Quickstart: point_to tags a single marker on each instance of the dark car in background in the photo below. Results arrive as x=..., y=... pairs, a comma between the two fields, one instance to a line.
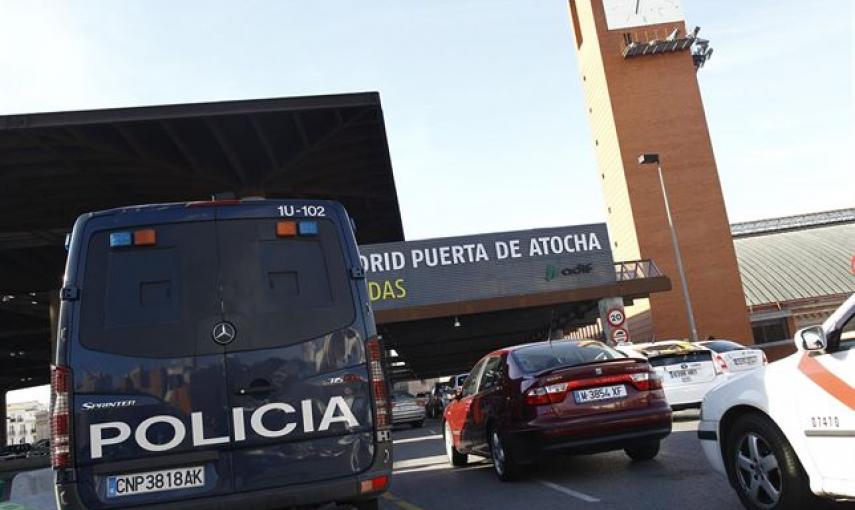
x=561, y=396
x=438, y=398
x=218, y=354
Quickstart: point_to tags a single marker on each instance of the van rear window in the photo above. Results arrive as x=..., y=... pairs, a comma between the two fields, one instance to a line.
x=152, y=301
x=164, y=300
x=279, y=291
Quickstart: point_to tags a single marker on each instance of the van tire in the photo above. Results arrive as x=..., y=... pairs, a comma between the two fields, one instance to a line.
x=371, y=504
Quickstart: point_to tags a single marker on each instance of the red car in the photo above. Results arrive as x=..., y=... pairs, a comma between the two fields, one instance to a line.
x=561, y=396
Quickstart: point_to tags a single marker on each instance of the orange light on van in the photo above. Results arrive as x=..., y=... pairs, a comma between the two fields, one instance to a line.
x=146, y=237
x=286, y=228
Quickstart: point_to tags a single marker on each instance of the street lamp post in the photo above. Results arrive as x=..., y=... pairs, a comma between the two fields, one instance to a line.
x=649, y=159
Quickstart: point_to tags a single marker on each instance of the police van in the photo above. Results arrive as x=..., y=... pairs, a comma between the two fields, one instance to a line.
x=217, y=354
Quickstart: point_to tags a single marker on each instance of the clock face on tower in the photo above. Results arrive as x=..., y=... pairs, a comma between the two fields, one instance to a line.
x=638, y=13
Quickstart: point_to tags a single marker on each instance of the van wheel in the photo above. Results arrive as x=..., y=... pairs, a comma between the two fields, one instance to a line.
x=454, y=457
x=505, y=466
x=371, y=504
x=763, y=468
x=643, y=451
x=418, y=424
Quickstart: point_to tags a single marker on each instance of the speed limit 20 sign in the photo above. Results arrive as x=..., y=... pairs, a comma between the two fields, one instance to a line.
x=615, y=317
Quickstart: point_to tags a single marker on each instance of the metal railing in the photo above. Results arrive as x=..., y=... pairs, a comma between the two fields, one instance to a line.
x=636, y=269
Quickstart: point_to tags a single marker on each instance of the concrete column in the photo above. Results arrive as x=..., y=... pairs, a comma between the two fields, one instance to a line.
x=613, y=318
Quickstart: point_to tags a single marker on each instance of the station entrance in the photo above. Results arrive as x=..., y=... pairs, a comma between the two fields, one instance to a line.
x=440, y=304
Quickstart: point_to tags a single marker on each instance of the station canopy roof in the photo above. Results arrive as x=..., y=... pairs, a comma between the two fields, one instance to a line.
x=55, y=166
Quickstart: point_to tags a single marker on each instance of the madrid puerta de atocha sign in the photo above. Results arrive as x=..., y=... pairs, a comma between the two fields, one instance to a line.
x=454, y=269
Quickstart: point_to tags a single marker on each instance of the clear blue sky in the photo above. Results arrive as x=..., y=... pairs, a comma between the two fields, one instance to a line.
x=482, y=98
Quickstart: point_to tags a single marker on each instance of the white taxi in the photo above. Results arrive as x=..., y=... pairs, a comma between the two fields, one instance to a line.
x=687, y=370
x=785, y=434
x=732, y=357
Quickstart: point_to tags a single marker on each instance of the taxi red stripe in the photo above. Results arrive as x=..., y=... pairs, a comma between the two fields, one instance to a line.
x=825, y=379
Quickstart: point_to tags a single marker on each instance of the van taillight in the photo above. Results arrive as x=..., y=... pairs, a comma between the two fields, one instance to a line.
x=378, y=385
x=60, y=417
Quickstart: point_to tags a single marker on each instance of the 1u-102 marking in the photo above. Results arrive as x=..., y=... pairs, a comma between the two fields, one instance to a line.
x=303, y=210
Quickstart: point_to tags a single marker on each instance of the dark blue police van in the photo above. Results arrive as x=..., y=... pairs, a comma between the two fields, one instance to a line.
x=218, y=354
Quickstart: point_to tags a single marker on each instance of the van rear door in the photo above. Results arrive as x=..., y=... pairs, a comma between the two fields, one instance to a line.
x=149, y=405
x=296, y=369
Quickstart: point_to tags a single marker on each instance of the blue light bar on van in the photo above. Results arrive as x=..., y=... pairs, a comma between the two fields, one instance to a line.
x=308, y=228
x=118, y=239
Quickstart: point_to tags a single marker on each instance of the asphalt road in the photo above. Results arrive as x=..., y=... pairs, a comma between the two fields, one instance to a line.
x=678, y=478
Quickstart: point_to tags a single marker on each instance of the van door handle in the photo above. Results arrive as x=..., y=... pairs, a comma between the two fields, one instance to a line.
x=257, y=387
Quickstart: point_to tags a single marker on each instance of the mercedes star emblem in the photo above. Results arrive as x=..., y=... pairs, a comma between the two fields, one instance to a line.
x=224, y=333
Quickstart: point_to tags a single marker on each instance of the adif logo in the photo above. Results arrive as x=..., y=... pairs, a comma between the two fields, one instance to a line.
x=337, y=411
x=552, y=272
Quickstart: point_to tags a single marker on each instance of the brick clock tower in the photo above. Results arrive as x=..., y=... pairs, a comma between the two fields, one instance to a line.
x=638, y=67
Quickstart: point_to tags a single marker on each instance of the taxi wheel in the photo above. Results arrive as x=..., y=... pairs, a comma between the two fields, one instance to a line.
x=643, y=451
x=763, y=467
x=454, y=457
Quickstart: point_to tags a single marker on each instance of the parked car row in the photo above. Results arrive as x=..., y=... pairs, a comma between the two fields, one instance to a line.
x=39, y=448
x=783, y=434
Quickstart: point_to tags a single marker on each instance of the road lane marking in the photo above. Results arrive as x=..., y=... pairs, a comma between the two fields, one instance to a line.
x=684, y=426
x=440, y=467
x=569, y=492
x=400, y=503
x=420, y=461
x=416, y=439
